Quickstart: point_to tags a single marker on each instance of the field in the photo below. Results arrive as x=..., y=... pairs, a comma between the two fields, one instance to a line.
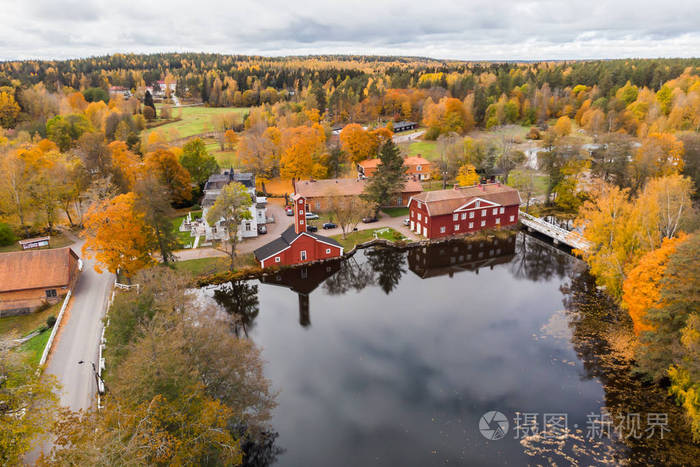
x=194, y=120
x=226, y=158
x=25, y=324
x=57, y=241
x=34, y=347
x=426, y=149
x=396, y=212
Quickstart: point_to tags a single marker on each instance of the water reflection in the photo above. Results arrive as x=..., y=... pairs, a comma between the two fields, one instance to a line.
x=398, y=368
x=240, y=300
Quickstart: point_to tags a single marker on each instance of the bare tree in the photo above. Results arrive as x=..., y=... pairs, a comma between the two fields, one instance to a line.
x=347, y=211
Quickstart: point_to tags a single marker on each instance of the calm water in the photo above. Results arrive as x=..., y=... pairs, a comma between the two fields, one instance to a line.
x=391, y=358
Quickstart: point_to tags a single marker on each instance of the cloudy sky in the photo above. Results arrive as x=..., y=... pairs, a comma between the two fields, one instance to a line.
x=467, y=29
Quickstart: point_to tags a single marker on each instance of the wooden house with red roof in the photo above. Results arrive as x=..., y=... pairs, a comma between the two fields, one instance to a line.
x=296, y=245
x=462, y=210
x=29, y=279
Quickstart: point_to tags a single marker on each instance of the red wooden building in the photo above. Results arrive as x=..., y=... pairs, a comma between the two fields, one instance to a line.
x=459, y=211
x=296, y=245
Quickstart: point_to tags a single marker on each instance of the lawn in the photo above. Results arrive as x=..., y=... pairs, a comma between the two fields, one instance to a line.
x=226, y=158
x=396, y=212
x=24, y=324
x=426, y=149
x=203, y=266
x=34, y=347
x=194, y=120
x=183, y=238
x=362, y=236
x=57, y=241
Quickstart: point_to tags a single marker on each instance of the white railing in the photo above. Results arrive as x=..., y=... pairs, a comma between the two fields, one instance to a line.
x=56, y=325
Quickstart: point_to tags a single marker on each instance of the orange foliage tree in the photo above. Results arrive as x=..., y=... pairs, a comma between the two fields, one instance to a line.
x=359, y=143
x=116, y=236
x=303, y=150
x=171, y=173
x=642, y=287
x=126, y=165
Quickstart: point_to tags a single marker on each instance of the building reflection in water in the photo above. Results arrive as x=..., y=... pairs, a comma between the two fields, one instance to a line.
x=460, y=255
x=303, y=281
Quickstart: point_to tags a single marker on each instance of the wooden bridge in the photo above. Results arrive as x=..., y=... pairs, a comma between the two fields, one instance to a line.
x=559, y=235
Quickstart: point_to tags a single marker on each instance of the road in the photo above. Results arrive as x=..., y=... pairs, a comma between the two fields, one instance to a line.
x=408, y=137
x=78, y=339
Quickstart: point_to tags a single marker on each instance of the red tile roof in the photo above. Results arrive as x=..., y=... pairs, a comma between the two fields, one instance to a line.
x=24, y=270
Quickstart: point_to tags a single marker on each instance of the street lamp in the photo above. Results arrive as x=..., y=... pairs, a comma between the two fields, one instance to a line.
x=98, y=378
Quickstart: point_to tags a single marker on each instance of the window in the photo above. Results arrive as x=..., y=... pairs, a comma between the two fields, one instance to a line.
x=247, y=226
x=456, y=227
x=328, y=251
x=495, y=211
x=318, y=205
x=277, y=259
x=512, y=218
x=442, y=229
x=483, y=212
x=502, y=210
x=498, y=220
x=455, y=217
x=471, y=225
x=303, y=255
x=464, y=215
x=476, y=204
x=301, y=221
x=471, y=215
x=483, y=223
x=412, y=214
x=301, y=212
x=51, y=293
x=419, y=216
x=419, y=168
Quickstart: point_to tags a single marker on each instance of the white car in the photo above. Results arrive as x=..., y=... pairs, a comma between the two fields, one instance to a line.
x=406, y=221
x=311, y=215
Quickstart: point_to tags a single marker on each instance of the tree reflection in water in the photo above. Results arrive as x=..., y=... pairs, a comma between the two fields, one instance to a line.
x=388, y=265
x=240, y=300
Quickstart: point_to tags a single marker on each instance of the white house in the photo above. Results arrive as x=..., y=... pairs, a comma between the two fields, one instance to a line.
x=258, y=208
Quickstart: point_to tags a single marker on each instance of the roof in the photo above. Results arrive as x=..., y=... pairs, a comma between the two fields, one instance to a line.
x=447, y=201
x=416, y=160
x=220, y=180
x=36, y=269
x=343, y=187
x=370, y=163
x=284, y=240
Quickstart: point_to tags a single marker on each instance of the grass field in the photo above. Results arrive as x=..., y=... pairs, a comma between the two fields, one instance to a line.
x=426, y=149
x=194, y=120
x=34, y=347
x=396, y=212
x=25, y=324
x=362, y=236
x=226, y=158
x=203, y=266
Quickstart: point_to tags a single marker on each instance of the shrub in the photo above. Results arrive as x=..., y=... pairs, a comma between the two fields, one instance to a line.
x=7, y=235
x=51, y=321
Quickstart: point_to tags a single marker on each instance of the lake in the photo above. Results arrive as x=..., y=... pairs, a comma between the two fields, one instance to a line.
x=479, y=352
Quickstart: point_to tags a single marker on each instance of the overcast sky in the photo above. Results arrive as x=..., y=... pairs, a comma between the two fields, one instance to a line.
x=468, y=29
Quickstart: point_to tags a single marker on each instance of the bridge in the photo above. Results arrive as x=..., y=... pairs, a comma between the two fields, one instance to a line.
x=559, y=235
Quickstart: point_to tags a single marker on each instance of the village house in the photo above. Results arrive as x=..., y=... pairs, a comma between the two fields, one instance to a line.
x=258, y=209
x=296, y=245
x=462, y=210
x=319, y=192
x=28, y=279
x=404, y=125
x=417, y=167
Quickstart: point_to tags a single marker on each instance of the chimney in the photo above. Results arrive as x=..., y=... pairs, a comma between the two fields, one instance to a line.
x=299, y=214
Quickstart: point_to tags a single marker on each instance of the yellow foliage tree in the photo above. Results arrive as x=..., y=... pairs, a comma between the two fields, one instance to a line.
x=9, y=110
x=358, y=143
x=116, y=236
x=467, y=175
x=126, y=165
x=171, y=173
x=563, y=126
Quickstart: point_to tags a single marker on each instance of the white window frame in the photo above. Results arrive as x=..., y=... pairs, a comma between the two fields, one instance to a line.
x=455, y=217
x=498, y=220
x=442, y=229
x=277, y=259
x=483, y=212
x=464, y=215
x=483, y=223
x=302, y=255
x=456, y=227
x=471, y=215
x=419, y=168
x=495, y=211
x=301, y=221
x=420, y=217
x=471, y=225
x=328, y=251
x=512, y=218
x=502, y=210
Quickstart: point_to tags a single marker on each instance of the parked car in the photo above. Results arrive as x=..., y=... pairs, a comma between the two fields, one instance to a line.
x=289, y=211
x=406, y=221
x=369, y=220
x=329, y=225
x=311, y=228
x=311, y=215
x=262, y=229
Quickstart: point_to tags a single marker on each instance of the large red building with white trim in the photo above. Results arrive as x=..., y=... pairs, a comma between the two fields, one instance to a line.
x=296, y=245
x=462, y=210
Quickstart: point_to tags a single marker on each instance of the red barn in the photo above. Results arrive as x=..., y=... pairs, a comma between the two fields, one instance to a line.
x=296, y=245
x=442, y=213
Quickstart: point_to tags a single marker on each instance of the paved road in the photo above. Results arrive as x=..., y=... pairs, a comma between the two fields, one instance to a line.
x=407, y=137
x=78, y=339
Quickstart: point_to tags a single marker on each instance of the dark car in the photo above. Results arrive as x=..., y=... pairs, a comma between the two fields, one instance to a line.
x=262, y=229
x=369, y=220
x=329, y=225
x=311, y=228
